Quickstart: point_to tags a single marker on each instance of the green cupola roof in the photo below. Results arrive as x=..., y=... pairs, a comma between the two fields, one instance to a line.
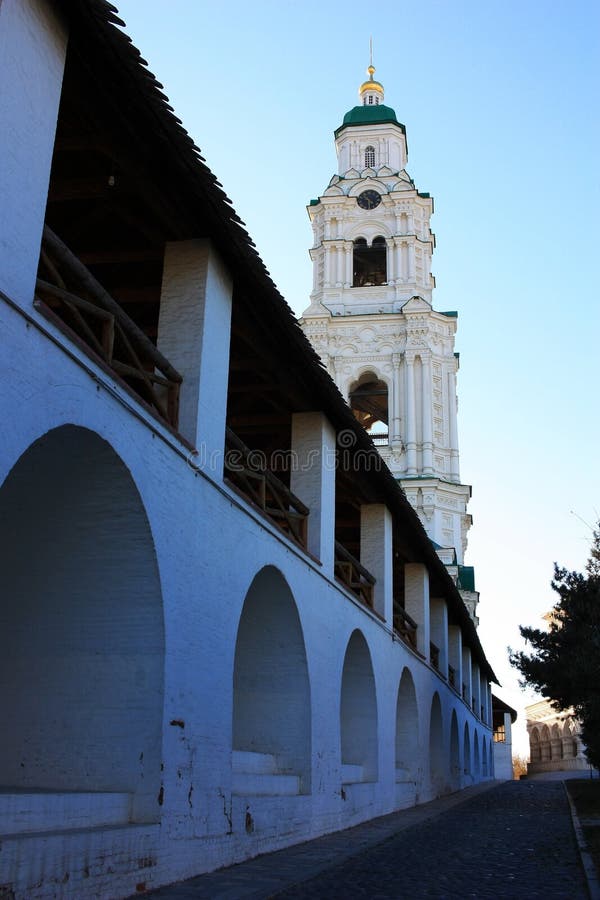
x=370, y=115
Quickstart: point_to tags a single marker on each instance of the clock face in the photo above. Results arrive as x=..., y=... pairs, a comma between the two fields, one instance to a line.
x=368, y=199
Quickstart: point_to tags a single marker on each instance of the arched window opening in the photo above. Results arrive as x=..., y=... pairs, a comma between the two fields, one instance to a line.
x=370, y=263
x=369, y=157
x=271, y=693
x=369, y=403
x=370, y=99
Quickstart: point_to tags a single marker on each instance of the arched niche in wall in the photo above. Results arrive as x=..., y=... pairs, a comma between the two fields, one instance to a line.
x=484, y=757
x=271, y=691
x=438, y=764
x=454, y=753
x=407, y=730
x=82, y=656
x=545, y=746
x=556, y=744
x=476, y=755
x=358, y=713
x=467, y=752
x=535, y=751
x=569, y=742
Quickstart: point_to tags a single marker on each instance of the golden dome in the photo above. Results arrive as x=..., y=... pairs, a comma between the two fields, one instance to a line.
x=371, y=84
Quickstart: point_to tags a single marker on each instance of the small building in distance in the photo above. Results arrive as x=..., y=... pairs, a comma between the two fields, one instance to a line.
x=555, y=743
x=503, y=717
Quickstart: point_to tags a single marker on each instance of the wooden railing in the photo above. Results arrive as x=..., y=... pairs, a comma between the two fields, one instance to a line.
x=264, y=489
x=405, y=626
x=354, y=576
x=70, y=290
x=434, y=655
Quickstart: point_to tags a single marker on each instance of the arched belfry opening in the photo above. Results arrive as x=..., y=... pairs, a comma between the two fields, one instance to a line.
x=82, y=637
x=271, y=693
x=368, y=400
x=369, y=262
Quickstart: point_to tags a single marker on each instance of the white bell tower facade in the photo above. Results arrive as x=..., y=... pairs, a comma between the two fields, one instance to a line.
x=372, y=321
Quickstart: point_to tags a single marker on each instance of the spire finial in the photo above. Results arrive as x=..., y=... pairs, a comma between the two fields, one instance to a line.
x=371, y=68
x=371, y=91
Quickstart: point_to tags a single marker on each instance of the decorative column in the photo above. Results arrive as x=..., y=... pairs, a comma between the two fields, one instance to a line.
x=395, y=436
x=376, y=555
x=348, y=260
x=312, y=479
x=453, y=428
x=411, y=441
x=416, y=603
x=404, y=263
x=193, y=333
x=427, y=415
x=327, y=265
x=398, y=261
x=314, y=255
x=391, y=272
x=337, y=258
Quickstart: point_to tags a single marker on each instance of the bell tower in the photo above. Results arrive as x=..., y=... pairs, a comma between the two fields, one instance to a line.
x=371, y=318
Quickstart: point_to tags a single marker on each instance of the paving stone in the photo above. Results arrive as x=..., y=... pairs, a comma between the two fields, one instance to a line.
x=513, y=841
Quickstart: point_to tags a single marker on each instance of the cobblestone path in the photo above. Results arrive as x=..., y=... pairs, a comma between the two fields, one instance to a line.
x=515, y=841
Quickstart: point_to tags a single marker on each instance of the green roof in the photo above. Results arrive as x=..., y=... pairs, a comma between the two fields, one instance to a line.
x=466, y=578
x=314, y=202
x=452, y=313
x=369, y=115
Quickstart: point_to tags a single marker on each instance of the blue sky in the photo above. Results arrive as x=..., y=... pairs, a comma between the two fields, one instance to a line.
x=500, y=102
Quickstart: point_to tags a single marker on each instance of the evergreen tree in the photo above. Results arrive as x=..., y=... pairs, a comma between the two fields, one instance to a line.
x=565, y=663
